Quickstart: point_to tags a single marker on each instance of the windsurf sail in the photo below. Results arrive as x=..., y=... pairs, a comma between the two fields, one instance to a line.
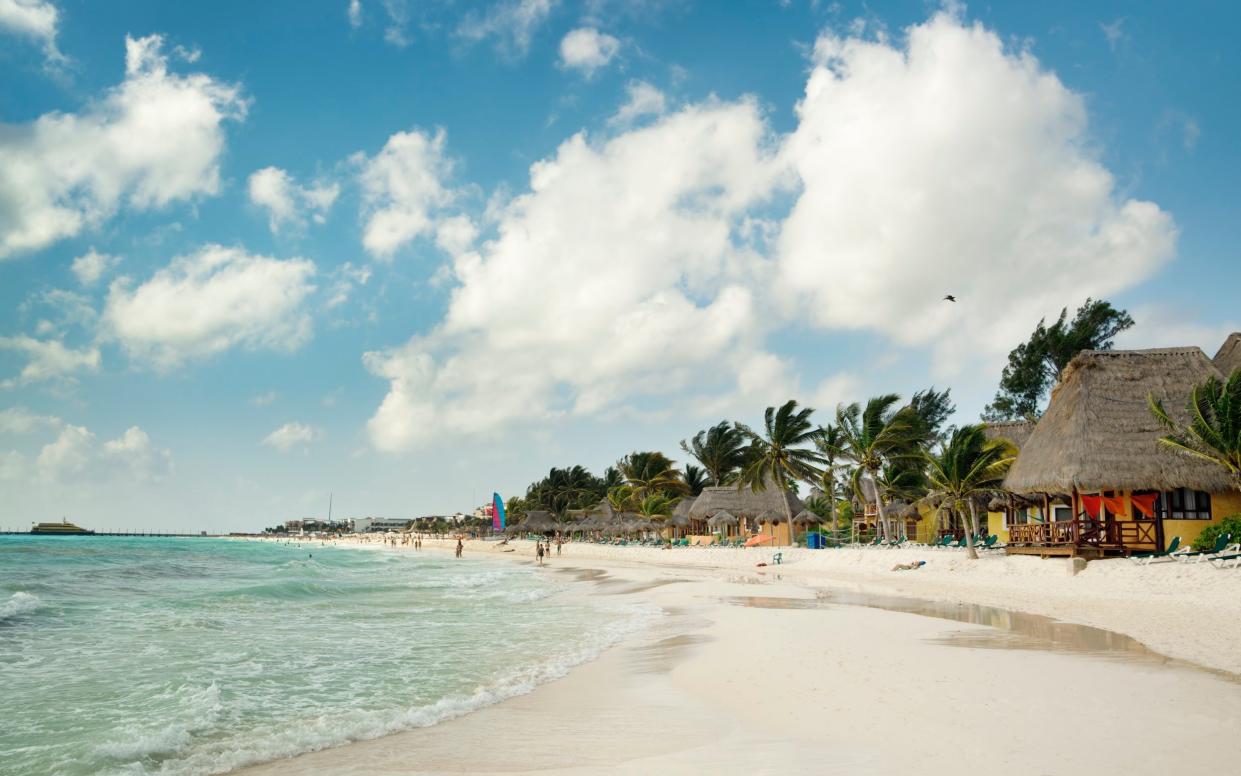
x=497, y=512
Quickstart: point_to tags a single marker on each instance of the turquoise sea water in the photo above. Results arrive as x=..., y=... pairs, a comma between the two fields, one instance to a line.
x=199, y=656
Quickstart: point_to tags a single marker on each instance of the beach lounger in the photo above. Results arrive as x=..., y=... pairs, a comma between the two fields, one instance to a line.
x=1232, y=557
x=1221, y=544
x=1145, y=558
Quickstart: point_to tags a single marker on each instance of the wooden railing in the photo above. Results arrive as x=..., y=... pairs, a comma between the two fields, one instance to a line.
x=1122, y=534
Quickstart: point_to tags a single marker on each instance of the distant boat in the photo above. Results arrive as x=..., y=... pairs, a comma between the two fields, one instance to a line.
x=63, y=528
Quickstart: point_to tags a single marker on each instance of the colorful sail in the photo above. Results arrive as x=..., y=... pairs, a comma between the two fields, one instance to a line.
x=497, y=512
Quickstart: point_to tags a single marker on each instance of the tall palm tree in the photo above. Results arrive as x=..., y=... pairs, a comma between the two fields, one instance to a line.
x=1214, y=430
x=695, y=479
x=966, y=469
x=720, y=449
x=782, y=453
x=828, y=440
x=650, y=473
x=873, y=438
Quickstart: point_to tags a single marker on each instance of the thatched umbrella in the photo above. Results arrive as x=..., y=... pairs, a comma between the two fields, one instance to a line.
x=721, y=520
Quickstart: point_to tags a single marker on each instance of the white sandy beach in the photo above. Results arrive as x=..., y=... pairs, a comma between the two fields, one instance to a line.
x=765, y=671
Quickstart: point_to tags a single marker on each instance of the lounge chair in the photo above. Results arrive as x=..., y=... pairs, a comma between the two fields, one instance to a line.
x=1232, y=555
x=1145, y=558
x=1221, y=544
x=989, y=542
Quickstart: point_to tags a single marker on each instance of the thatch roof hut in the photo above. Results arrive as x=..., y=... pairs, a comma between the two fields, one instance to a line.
x=1098, y=432
x=806, y=517
x=537, y=521
x=1015, y=432
x=1229, y=356
x=720, y=519
x=744, y=502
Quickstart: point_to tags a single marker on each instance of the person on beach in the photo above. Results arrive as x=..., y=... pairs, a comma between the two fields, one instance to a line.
x=460, y=548
x=909, y=566
x=538, y=551
x=559, y=542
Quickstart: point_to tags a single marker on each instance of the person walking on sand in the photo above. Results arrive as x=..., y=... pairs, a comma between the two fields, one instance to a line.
x=538, y=550
x=559, y=542
x=460, y=547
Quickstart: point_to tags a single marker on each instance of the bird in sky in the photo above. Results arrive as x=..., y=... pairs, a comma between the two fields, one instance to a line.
x=950, y=298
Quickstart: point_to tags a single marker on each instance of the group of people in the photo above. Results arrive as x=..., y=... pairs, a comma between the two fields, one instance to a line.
x=541, y=549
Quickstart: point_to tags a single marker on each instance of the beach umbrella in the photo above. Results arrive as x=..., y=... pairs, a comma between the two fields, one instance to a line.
x=756, y=540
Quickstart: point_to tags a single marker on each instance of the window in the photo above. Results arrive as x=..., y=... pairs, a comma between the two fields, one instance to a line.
x=1061, y=513
x=1184, y=504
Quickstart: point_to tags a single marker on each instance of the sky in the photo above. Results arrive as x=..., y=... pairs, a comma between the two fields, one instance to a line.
x=408, y=253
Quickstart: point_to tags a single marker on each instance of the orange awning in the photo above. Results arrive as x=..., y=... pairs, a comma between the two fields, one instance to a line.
x=753, y=540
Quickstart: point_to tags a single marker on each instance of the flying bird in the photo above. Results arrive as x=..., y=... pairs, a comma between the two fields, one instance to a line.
x=950, y=298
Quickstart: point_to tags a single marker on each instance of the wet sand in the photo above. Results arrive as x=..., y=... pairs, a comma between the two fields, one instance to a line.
x=756, y=673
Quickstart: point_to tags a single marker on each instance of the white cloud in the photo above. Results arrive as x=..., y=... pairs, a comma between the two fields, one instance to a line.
x=511, y=22
x=455, y=235
x=286, y=203
x=154, y=139
x=19, y=420
x=210, y=301
x=915, y=185
x=48, y=360
x=619, y=274
x=36, y=19
x=344, y=279
x=1115, y=32
x=290, y=435
x=403, y=188
x=642, y=99
x=354, y=13
x=68, y=454
x=92, y=265
x=263, y=399
x=134, y=451
x=586, y=50
x=1161, y=325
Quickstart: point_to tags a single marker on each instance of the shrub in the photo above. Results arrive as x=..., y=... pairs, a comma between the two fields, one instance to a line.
x=1229, y=525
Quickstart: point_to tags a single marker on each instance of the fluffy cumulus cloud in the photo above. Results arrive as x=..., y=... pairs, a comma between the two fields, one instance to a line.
x=209, y=301
x=154, y=139
x=290, y=436
x=354, y=13
x=512, y=23
x=586, y=50
x=403, y=190
x=641, y=99
x=48, y=360
x=36, y=19
x=658, y=261
x=286, y=202
x=621, y=272
x=948, y=164
x=74, y=452
x=93, y=265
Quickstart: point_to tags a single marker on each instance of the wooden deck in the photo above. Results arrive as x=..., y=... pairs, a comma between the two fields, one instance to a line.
x=1085, y=538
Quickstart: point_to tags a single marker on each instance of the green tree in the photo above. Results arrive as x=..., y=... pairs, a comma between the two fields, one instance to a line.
x=1034, y=365
x=1214, y=430
x=966, y=469
x=650, y=473
x=874, y=437
x=695, y=479
x=783, y=453
x=828, y=440
x=720, y=449
x=933, y=409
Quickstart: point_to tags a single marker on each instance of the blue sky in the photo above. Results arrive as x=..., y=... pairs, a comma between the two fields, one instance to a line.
x=408, y=253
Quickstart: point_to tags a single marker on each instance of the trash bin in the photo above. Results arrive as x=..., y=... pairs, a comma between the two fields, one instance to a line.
x=815, y=541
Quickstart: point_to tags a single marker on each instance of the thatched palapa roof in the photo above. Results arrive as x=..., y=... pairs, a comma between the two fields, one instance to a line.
x=1229, y=356
x=1099, y=434
x=1014, y=431
x=721, y=518
x=743, y=502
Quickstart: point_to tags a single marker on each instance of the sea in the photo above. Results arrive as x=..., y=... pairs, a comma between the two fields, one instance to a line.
x=200, y=656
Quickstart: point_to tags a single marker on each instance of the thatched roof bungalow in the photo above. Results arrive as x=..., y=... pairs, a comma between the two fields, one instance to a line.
x=1099, y=443
x=749, y=506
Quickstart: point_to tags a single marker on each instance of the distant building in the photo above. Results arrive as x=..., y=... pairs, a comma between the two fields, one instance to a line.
x=388, y=524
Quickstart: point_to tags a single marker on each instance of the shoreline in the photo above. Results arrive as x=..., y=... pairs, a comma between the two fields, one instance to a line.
x=747, y=672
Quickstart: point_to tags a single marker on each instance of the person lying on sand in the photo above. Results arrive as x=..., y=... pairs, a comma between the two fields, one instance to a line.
x=917, y=564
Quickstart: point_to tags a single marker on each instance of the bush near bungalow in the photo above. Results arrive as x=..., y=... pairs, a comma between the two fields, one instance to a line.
x=1230, y=525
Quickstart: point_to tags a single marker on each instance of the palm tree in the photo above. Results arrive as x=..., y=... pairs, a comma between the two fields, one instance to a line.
x=1214, y=430
x=828, y=441
x=874, y=437
x=781, y=453
x=650, y=473
x=967, y=468
x=720, y=450
x=695, y=479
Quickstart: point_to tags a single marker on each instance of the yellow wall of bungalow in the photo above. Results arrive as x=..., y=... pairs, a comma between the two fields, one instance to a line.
x=1222, y=505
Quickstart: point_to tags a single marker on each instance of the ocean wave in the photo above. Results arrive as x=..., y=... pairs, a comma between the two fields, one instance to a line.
x=18, y=604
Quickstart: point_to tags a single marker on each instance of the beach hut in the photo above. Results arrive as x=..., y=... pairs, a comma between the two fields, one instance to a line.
x=722, y=521
x=1096, y=450
x=1228, y=357
x=748, y=505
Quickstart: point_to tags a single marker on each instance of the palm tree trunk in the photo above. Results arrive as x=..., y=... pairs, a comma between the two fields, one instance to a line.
x=788, y=511
x=970, y=552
